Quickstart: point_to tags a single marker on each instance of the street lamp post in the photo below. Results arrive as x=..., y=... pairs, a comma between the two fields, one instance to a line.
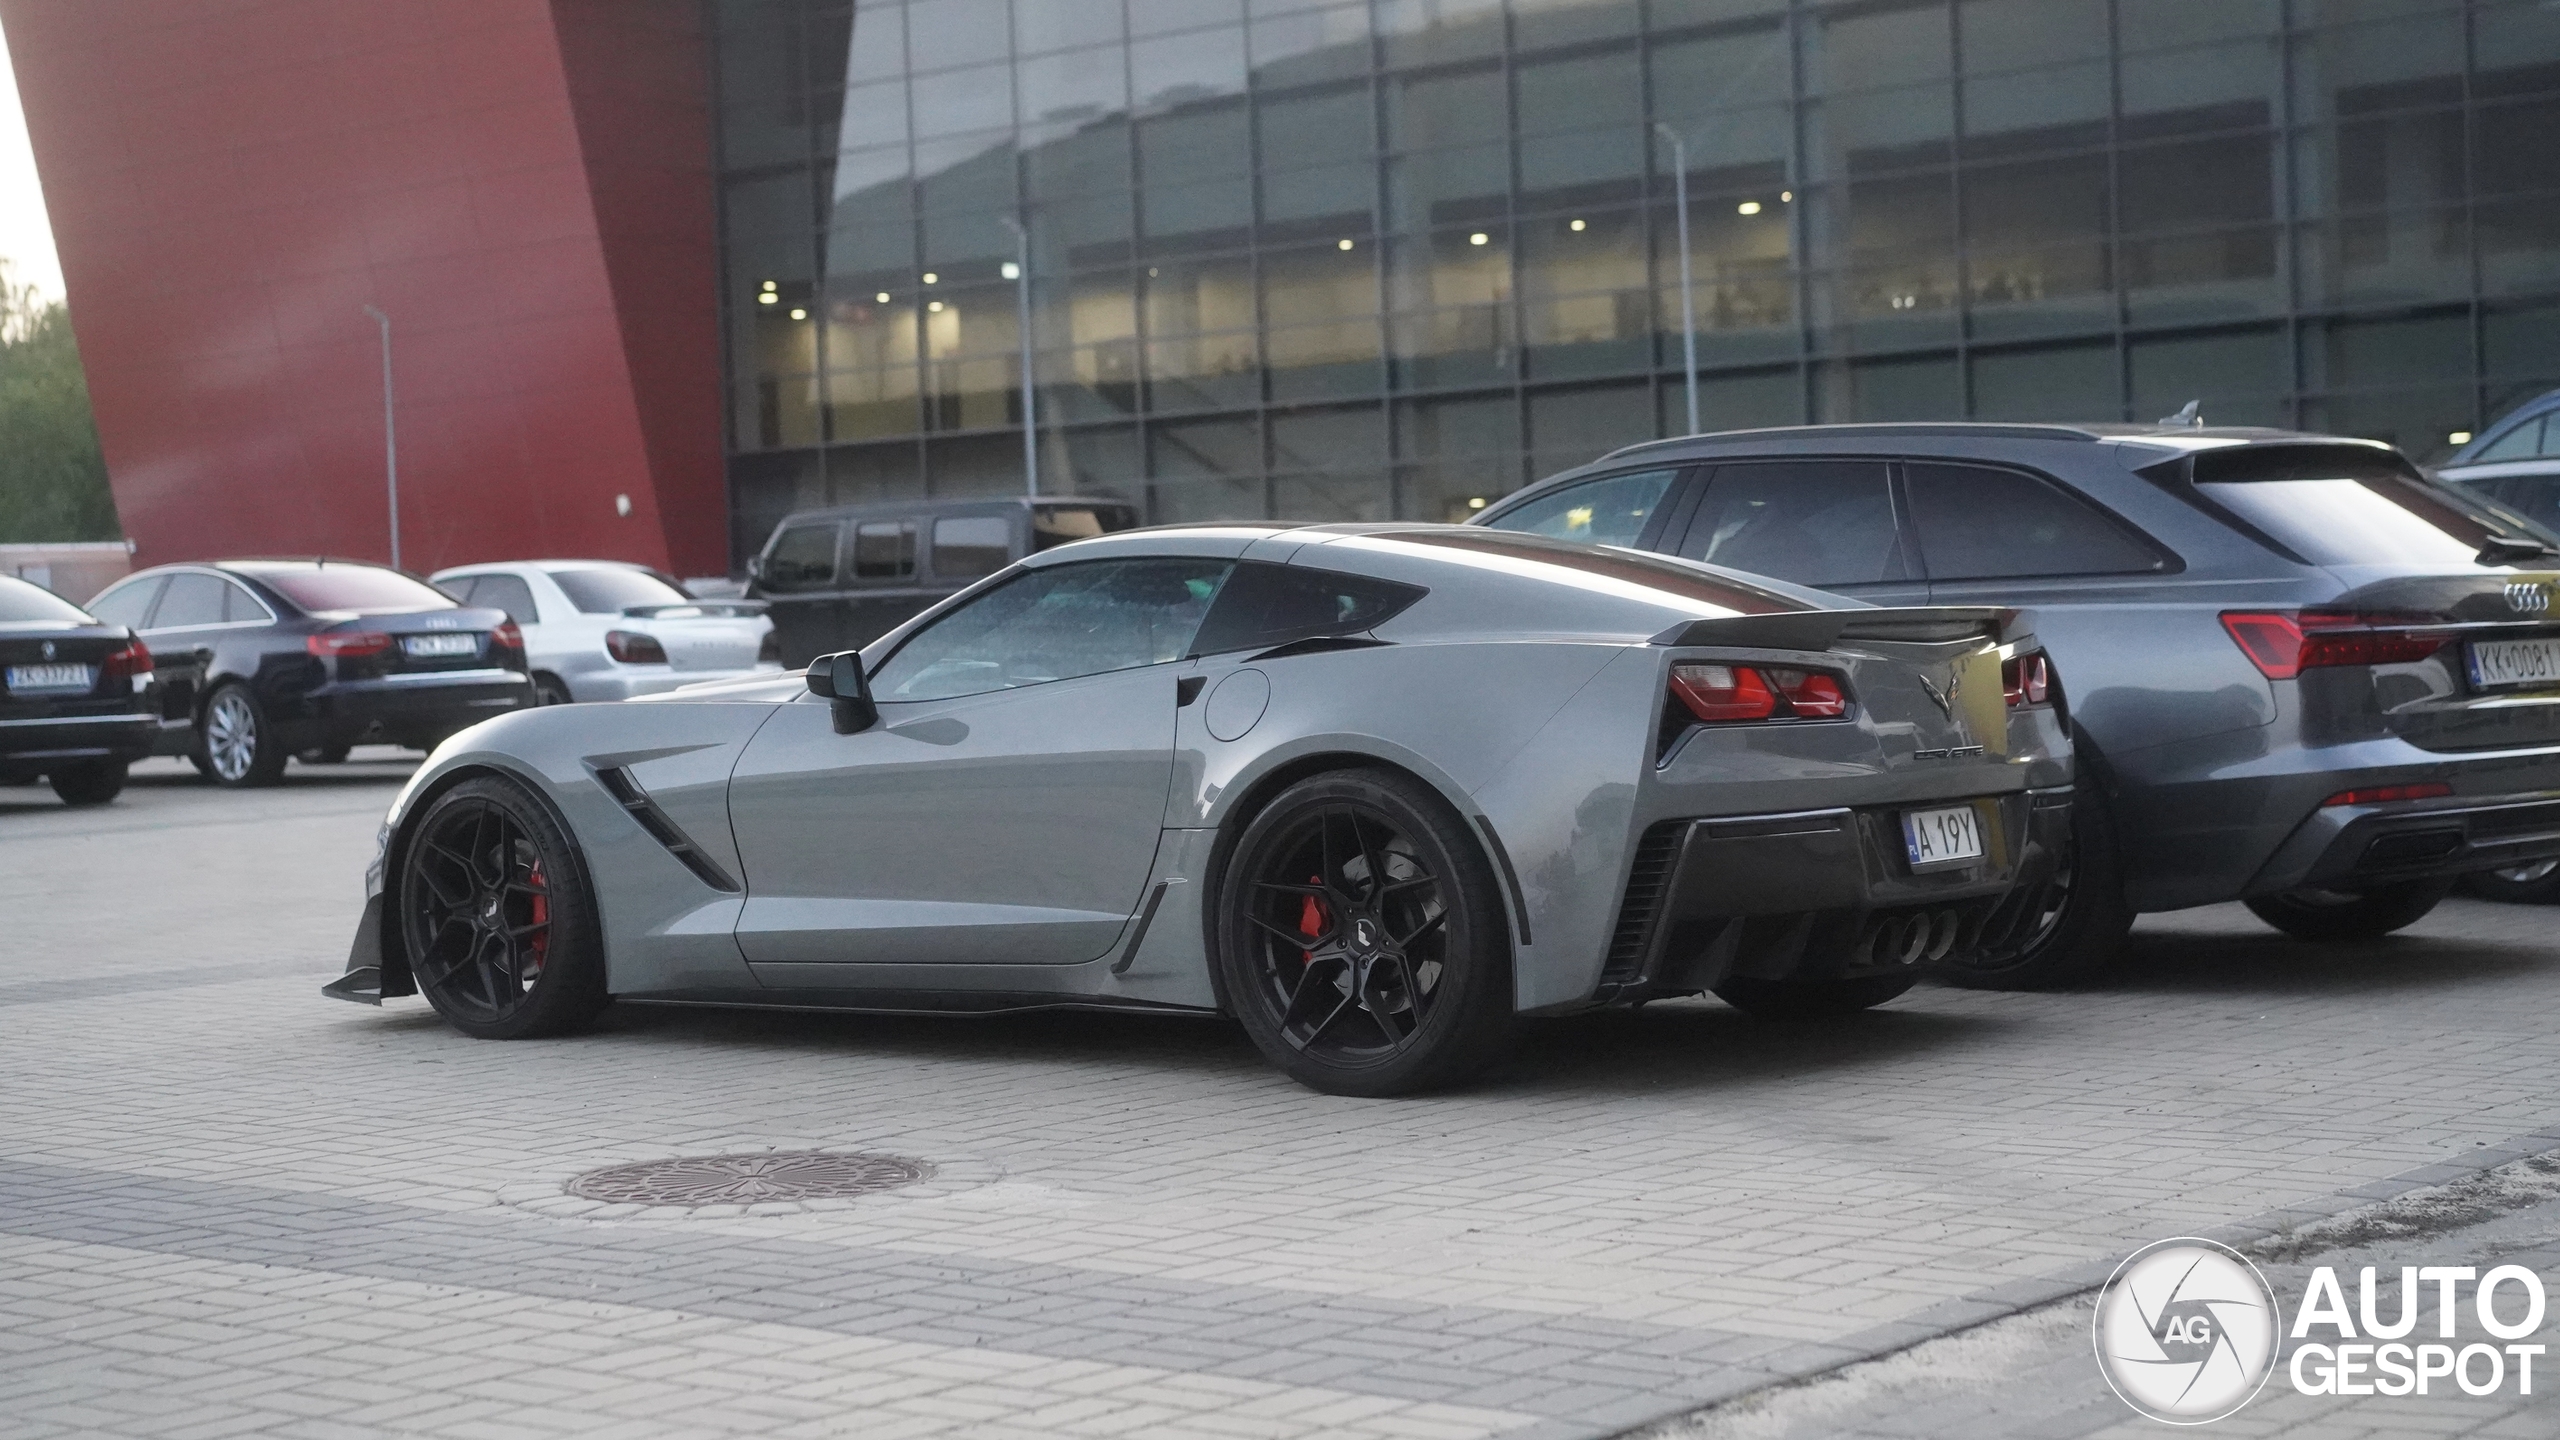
x=1688, y=306
x=1022, y=307
x=390, y=438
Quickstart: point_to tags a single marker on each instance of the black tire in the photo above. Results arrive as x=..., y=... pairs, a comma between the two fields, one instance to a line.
x=2343, y=915
x=551, y=690
x=2535, y=884
x=91, y=782
x=325, y=755
x=1404, y=983
x=236, y=740
x=2066, y=929
x=497, y=917
x=1810, y=999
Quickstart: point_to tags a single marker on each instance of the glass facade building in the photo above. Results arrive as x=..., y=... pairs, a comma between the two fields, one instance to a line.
x=1392, y=257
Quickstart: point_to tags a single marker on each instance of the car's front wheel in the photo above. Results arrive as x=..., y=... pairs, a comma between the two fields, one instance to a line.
x=91, y=782
x=2534, y=884
x=2350, y=914
x=237, y=743
x=1810, y=999
x=1361, y=938
x=550, y=690
x=496, y=915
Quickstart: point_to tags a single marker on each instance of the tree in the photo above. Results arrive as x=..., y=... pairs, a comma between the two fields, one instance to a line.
x=53, y=479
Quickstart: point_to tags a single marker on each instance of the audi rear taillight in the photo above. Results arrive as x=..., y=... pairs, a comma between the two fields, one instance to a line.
x=134, y=659
x=346, y=644
x=633, y=648
x=2027, y=679
x=2284, y=643
x=1722, y=694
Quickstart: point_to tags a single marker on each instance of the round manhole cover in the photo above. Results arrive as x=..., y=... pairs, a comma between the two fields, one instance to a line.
x=767, y=1178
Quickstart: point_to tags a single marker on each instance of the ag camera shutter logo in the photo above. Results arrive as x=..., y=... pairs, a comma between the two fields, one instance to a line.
x=2186, y=1331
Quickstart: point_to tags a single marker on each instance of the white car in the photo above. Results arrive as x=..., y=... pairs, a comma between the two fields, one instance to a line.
x=608, y=630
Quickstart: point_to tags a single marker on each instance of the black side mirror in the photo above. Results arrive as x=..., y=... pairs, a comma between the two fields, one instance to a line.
x=840, y=678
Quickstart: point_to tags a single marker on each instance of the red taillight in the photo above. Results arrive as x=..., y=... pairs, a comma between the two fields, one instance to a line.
x=507, y=636
x=134, y=659
x=346, y=644
x=2027, y=679
x=2378, y=794
x=1723, y=693
x=2283, y=644
x=632, y=648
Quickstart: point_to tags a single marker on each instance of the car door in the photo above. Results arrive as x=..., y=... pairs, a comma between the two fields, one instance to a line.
x=1006, y=807
x=182, y=633
x=1831, y=524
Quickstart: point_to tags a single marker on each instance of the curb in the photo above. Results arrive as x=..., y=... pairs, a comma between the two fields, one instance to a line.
x=2014, y=1297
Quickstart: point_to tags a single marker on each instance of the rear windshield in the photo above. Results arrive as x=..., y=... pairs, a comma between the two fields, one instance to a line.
x=22, y=603
x=604, y=591
x=362, y=588
x=2336, y=505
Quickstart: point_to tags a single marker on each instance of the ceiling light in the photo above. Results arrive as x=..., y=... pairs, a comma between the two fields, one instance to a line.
x=1786, y=197
x=770, y=285
x=882, y=297
x=768, y=298
x=1479, y=238
x=1151, y=272
x=1577, y=224
x=1341, y=244
x=932, y=279
x=935, y=307
x=1011, y=271
x=1747, y=207
x=799, y=314
x=1477, y=502
x=2458, y=437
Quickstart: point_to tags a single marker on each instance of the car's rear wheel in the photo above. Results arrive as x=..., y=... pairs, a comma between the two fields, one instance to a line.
x=2535, y=884
x=550, y=690
x=91, y=782
x=497, y=917
x=1810, y=999
x=1361, y=938
x=238, y=745
x=2350, y=915
x=2066, y=928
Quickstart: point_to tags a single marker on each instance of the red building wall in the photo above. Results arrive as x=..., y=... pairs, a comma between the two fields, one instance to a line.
x=524, y=186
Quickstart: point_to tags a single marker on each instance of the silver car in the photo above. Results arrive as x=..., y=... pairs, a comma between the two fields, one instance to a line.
x=610, y=630
x=1374, y=790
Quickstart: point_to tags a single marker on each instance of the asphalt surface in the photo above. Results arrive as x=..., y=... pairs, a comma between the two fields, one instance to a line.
x=230, y=1206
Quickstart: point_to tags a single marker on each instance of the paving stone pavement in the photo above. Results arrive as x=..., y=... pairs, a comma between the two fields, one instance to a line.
x=229, y=1206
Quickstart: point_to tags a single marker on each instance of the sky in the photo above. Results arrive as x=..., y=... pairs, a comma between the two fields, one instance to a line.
x=26, y=237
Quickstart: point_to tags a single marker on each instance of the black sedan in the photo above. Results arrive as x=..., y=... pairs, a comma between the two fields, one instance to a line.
x=262, y=660
x=76, y=699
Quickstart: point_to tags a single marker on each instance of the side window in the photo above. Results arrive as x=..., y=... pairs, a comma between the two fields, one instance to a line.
x=2535, y=497
x=1815, y=522
x=1981, y=524
x=1056, y=624
x=192, y=599
x=2522, y=443
x=509, y=593
x=884, y=550
x=967, y=547
x=462, y=588
x=1612, y=510
x=802, y=558
x=239, y=606
x=128, y=605
x=1265, y=605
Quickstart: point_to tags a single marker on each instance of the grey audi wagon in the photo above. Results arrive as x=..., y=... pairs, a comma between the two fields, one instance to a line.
x=2298, y=675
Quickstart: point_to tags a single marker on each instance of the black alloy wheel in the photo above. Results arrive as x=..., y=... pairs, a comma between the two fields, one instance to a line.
x=1362, y=939
x=496, y=916
x=91, y=782
x=2534, y=884
x=2350, y=914
x=2064, y=929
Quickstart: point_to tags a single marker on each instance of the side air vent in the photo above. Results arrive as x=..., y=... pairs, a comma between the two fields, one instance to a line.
x=1650, y=875
x=626, y=792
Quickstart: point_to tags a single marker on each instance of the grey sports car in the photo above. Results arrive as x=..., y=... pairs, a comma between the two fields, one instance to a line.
x=1374, y=790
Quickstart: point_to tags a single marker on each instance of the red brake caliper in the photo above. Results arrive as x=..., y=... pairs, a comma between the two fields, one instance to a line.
x=1311, y=919
x=540, y=943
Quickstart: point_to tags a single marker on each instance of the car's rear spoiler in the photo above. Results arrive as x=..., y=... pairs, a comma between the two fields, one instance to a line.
x=1822, y=629
x=687, y=609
